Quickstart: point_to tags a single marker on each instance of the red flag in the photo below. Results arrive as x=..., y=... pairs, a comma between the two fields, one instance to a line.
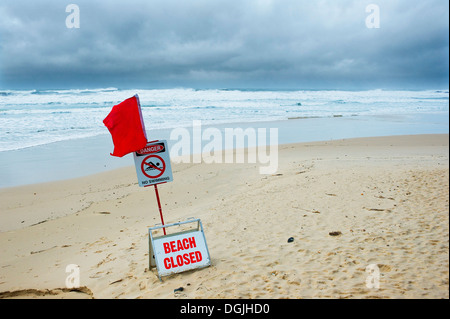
x=126, y=126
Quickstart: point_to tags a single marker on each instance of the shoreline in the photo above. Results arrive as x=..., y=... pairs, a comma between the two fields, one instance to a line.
x=116, y=175
x=385, y=197
x=127, y=162
x=86, y=156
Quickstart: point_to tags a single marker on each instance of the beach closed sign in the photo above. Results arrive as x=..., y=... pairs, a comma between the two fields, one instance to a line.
x=153, y=164
x=180, y=252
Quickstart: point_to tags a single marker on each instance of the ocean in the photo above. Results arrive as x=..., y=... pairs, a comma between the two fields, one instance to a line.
x=48, y=135
x=39, y=117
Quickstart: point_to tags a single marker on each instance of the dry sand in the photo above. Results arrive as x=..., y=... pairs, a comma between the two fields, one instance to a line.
x=386, y=198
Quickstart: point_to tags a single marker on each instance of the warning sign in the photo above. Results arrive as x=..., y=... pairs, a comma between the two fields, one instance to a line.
x=179, y=252
x=153, y=164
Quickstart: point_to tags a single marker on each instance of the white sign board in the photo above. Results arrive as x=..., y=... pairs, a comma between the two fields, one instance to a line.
x=181, y=251
x=153, y=164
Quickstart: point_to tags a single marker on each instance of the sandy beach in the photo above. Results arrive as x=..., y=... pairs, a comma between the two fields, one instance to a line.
x=347, y=204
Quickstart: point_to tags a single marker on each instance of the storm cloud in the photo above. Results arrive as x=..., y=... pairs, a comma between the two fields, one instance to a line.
x=234, y=44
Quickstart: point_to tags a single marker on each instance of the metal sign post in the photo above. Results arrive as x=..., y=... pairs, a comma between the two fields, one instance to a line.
x=159, y=206
x=177, y=252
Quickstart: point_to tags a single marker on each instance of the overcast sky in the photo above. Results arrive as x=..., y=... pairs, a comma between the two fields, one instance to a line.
x=291, y=44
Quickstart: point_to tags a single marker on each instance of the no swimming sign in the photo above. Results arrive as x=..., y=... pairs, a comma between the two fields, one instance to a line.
x=153, y=164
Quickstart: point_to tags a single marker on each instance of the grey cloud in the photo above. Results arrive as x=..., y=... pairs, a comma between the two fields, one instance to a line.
x=306, y=44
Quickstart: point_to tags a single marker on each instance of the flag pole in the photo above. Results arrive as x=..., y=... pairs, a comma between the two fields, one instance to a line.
x=159, y=206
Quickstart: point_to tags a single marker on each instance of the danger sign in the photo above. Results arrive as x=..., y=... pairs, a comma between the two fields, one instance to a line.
x=153, y=164
x=181, y=251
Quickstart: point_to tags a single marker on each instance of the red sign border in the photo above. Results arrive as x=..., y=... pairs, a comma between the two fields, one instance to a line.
x=149, y=176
